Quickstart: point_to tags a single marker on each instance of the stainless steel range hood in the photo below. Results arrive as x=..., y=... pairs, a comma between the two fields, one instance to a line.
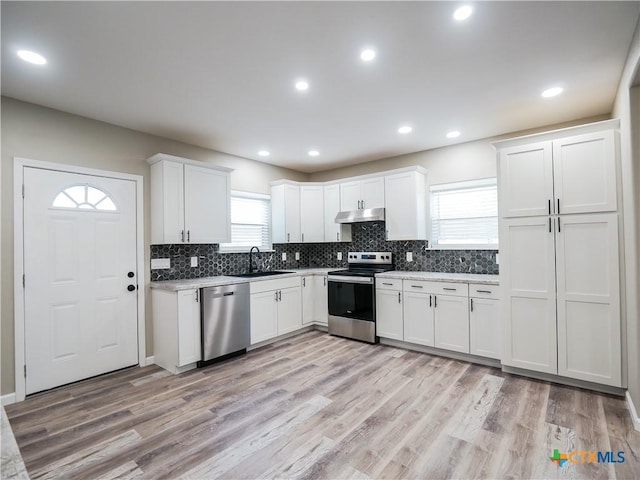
x=365, y=215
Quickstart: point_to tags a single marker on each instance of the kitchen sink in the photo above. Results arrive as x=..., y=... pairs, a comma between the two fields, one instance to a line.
x=260, y=274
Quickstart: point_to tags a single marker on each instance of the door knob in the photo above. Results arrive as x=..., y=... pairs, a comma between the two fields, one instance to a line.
x=130, y=274
x=131, y=288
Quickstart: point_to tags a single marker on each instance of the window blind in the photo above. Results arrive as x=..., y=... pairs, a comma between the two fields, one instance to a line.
x=250, y=222
x=465, y=214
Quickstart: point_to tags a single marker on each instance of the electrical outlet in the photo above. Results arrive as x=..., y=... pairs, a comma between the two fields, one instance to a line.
x=497, y=259
x=194, y=261
x=284, y=256
x=339, y=255
x=409, y=256
x=297, y=255
x=160, y=263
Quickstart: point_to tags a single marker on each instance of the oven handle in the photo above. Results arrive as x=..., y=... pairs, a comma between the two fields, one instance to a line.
x=345, y=279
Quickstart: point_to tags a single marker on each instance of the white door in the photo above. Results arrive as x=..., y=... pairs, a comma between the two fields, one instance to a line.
x=189, y=336
x=405, y=206
x=451, y=320
x=389, y=314
x=584, y=173
x=528, y=303
x=170, y=227
x=334, y=232
x=373, y=192
x=292, y=213
x=264, y=316
x=526, y=180
x=589, y=298
x=321, y=302
x=484, y=327
x=289, y=310
x=418, y=318
x=350, y=196
x=312, y=213
x=80, y=248
x=206, y=205
x=308, y=300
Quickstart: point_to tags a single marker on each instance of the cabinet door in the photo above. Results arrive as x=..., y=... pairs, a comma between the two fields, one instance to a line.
x=405, y=204
x=170, y=195
x=451, y=322
x=373, y=192
x=334, y=232
x=264, y=316
x=584, y=168
x=350, y=196
x=484, y=327
x=189, y=349
x=526, y=180
x=418, y=318
x=308, y=300
x=389, y=314
x=589, y=341
x=292, y=213
x=206, y=205
x=289, y=310
x=312, y=213
x=528, y=304
x=321, y=301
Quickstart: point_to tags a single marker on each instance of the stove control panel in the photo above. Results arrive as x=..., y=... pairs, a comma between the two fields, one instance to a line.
x=376, y=258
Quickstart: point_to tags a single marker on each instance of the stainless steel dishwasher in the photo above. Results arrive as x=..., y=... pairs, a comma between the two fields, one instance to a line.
x=225, y=322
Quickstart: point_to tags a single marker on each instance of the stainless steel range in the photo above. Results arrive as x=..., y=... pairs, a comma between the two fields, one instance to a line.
x=352, y=295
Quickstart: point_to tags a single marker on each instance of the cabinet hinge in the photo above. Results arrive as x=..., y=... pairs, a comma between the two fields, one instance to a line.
x=25, y=371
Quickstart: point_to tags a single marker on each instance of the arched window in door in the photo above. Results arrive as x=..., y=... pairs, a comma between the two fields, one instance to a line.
x=84, y=197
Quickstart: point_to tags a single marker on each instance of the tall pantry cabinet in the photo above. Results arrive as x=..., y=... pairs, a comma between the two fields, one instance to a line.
x=559, y=246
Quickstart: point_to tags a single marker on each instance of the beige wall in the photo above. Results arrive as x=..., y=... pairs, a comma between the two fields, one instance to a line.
x=457, y=163
x=38, y=133
x=627, y=108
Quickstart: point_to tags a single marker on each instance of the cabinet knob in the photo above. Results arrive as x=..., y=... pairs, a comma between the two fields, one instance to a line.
x=131, y=274
x=131, y=288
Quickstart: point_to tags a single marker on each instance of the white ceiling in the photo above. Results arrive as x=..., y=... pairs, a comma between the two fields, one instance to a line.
x=221, y=74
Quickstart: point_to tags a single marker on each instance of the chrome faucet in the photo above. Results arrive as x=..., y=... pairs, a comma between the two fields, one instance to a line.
x=251, y=258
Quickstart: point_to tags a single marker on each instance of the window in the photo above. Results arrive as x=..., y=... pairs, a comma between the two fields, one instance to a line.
x=465, y=214
x=84, y=197
x=250, y=222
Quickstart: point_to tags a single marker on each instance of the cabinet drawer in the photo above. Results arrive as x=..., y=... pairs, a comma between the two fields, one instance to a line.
x=484, y=291
x=388, y=283
x=449, y=288
x=258, y=286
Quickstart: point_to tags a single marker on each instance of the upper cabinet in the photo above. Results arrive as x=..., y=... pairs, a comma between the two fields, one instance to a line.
x=361, y=194
x=312, y=213
x=334, y=232
x=565, y=174
x=406, y=206
x=285, y=213
x=190, y=201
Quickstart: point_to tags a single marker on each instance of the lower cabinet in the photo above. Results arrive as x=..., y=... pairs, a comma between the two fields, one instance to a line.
x=389, y=322
x=315, y=309
x=176, y=328
x=484, y=321
x=418, y=318
x=451, y=321
x=276, y=308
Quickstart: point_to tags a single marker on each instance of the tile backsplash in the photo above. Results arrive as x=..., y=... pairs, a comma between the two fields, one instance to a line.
x=366, y=236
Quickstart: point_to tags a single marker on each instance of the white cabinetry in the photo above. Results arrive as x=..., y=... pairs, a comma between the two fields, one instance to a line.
x=360, y=194
x=560, y=264
x=176, y=329
x=276, y=308
x=484, y=321
x=285, y=213
x=334, y=232
x=314, y=300
x=418, y=318
x=389, y=319
x=406, y=206
x=311, y=213
x=451, y=321
x=190, y=201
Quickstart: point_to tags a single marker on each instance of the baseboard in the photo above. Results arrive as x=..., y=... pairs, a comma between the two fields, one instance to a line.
x=149, y=361
x=8, y=399
x=633, y=412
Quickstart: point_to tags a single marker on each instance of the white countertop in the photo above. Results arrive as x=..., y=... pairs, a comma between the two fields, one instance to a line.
x=443, y=277
x=204, y=282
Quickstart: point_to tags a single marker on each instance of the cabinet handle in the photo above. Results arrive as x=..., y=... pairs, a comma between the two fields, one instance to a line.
x=280, y=296
x=337, y=236
x=549, y=224
x=471, y=299
x=325, y=281
x=417, y=286
x=276, y=296
x=558, y=206
x=399, y=295
x=304, y=283
x=303, y=238
x=359, y=204
x=182, y=236
x=363, y=204
x=435, y=301
x=188, y=235
x=386, y=234
x=384, y=283
x=483, y=291
x=449, y=289
x=430, y=303
x=558, y=224
x=197, y=296
x=288, y=237
x=549, y=206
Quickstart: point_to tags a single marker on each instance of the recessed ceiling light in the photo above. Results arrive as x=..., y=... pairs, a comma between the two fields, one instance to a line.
x=32, y=57
x=302, y=85
x=367, y=55
x=264, y=153
x=552, y=92
x=313, y=153
x=405, y=129
x=462, y=13
x=453, y=134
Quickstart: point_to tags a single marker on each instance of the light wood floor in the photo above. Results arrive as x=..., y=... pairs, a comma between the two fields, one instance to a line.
x=317, y=406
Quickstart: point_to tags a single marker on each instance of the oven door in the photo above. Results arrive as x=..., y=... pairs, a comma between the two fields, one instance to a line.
x=352, y=297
